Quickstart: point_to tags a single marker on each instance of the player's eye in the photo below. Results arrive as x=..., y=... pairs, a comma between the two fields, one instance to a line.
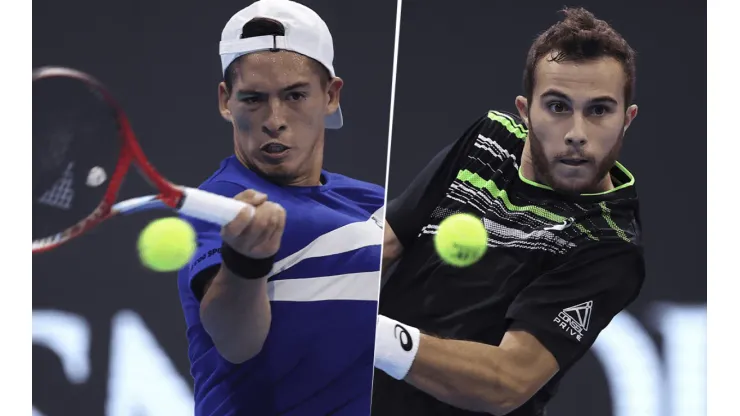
x=296, y=96
x=250, y=99
x=599, y=110
x=557, y=107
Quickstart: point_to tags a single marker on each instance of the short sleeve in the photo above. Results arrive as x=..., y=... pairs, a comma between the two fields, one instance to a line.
x=207, y=258
x=566, y=308
x=409, y=212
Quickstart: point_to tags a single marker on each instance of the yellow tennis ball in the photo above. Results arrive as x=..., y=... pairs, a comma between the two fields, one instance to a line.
x=166, y=244
x=461, y=240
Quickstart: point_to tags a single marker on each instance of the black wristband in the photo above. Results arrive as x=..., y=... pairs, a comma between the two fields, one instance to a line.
x=243, y=266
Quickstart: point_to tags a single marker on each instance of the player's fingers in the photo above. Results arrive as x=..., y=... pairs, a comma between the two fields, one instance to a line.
x=277, y=224
x=239, y=224
x=251, y=197
x=266, y=243
x=258, y=229
x=262, y=236
x=277, y=232
x=280, y=218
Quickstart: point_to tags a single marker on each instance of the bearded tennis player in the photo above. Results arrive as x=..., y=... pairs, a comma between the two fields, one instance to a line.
x=564, y=242
x=281, y=307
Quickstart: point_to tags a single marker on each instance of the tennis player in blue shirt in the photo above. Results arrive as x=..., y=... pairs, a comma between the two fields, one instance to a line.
x=281, y=307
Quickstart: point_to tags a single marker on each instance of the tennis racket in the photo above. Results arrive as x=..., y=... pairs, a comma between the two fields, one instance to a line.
x=83, y=147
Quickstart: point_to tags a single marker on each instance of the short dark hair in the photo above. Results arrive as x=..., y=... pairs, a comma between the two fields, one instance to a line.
x=579, y=37
x=268, y=27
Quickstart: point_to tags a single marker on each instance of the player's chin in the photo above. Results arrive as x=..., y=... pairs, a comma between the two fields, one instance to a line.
x=280, y=173
x=571, y=182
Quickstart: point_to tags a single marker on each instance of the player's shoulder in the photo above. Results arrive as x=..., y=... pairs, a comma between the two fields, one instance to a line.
x=366, y=195
x=339, y=182
x=505, y=129
x=231, y=178
x=500, y=124
x=607, y=245
x=622, y=219
x=618, y=264
x=506, y=123
x=621, y=253
x=612, y=224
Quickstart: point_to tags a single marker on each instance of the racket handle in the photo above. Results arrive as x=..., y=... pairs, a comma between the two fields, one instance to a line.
x=210, y=207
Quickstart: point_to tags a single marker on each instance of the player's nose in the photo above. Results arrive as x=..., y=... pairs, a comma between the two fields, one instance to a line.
x=576, y=136
x=275, y=123
x=575, y=140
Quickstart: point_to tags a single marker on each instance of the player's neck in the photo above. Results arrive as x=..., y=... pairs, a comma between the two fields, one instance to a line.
x=312, y=175
x=313, y=179
x=526, y=166
x=606, y=184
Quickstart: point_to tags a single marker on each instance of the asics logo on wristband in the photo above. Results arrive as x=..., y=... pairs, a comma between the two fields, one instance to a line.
x=403, y=335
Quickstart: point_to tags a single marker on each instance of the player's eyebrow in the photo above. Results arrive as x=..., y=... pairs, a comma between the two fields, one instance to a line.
x=241, y=94
x=603, y=99
x=295, y=86
x=252, y=92
x=552, y=93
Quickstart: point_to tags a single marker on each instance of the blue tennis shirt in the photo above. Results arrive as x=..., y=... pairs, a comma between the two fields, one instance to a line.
x=318, y=355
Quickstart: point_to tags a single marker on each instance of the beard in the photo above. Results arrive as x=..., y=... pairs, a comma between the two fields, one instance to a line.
x=544, y=166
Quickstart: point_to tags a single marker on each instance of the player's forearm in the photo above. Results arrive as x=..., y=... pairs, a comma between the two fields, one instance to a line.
x=392, y=248
x=387, y=268
x=389, y=259
x=468, y=375
x=464, y=374
x=236, y=314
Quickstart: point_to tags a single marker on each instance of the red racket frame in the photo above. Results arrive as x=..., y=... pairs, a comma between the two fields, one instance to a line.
x=130, y=153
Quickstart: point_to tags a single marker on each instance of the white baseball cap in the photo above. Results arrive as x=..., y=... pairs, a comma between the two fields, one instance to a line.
x=305, y=33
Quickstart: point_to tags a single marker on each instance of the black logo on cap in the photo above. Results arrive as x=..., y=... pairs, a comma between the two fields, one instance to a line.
x=404, y=337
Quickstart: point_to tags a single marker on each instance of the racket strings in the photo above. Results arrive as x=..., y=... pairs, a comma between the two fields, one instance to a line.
x=75, y=151
x=61, y=194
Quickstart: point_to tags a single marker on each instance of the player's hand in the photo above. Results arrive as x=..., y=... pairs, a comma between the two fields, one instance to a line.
x=256, y=236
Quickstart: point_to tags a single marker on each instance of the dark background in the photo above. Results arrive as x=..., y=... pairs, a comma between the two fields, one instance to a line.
x=456, y=61
x=160, y=59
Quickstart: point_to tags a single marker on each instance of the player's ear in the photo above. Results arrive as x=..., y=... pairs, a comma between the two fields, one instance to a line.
x=333, y=90
x=522, y=105
x=223, y=100
x=630, y=116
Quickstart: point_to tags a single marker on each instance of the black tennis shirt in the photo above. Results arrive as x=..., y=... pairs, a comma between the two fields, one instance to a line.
x=558, y=266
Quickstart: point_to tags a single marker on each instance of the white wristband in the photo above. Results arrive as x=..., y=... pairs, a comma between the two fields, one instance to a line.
x=396, y=345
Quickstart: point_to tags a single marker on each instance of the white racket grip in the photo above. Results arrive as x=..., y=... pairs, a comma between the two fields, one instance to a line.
x=210, y=207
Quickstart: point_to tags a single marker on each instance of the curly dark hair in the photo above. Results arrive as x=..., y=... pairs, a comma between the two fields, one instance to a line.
x=579, y=37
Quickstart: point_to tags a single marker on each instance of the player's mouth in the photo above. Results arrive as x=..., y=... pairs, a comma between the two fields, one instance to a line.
x=274, y=149
x=574, y=161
